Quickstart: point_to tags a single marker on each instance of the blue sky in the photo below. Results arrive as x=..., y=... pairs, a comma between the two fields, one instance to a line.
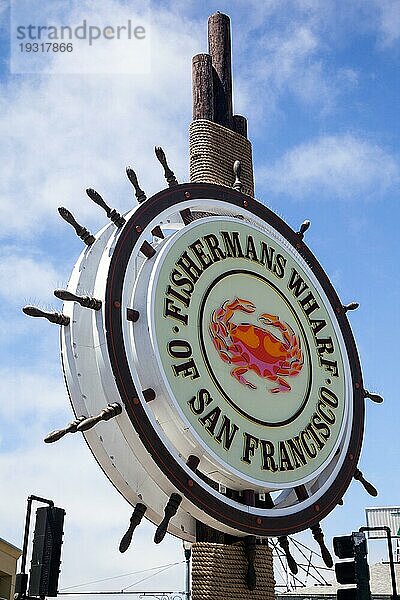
x=319, y=83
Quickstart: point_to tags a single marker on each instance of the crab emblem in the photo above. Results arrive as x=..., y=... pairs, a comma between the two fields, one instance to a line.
x=252, y=348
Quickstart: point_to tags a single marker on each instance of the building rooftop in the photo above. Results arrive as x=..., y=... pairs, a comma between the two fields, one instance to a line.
x=381, y=584
x=14, y=549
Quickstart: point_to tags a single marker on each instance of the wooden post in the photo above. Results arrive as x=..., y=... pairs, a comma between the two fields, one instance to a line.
x=219, y=572
x=217, y=137
x=203, y=91
x=224, y=565
x=219, y=46
x=240, y=125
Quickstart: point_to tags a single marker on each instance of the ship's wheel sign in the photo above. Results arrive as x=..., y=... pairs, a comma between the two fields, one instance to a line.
x=211, y=365
x=248, y=352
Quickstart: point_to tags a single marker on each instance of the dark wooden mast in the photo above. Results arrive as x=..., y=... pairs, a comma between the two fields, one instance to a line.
x=212, y=78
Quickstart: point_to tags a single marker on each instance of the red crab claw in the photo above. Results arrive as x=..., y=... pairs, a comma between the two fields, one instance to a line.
x=244, y=305
x=274, y=321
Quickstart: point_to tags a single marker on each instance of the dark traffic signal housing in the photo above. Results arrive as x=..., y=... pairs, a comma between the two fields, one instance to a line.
x=46, y=553
x=355, y=571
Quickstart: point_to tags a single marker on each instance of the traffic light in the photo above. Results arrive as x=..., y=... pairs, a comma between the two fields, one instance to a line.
x=46, y=552
x=352, y=571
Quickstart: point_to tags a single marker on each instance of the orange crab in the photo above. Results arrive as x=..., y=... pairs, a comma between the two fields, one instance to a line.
x=253, y=348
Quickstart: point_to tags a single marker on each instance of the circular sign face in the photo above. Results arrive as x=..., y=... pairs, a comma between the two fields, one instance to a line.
x=229, y=357
x=248, y=350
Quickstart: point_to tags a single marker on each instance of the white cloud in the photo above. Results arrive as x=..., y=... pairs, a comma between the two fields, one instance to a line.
x=339, y=167
x=96, y=516
x=26, y=278
x=64, y=133
x=23, y=276
x=33, y=402
x=26, y=391
x=292, y=59
x=388, y=21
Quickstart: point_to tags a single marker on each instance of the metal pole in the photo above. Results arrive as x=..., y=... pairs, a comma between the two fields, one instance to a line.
x=26, y=534
x=390, y=550
x=27, y=524
x=21, y=582
x=188, y=554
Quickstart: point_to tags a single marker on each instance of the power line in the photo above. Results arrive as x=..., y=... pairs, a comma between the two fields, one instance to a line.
x=116, y=592
x=153, y=575
x=70, y=587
